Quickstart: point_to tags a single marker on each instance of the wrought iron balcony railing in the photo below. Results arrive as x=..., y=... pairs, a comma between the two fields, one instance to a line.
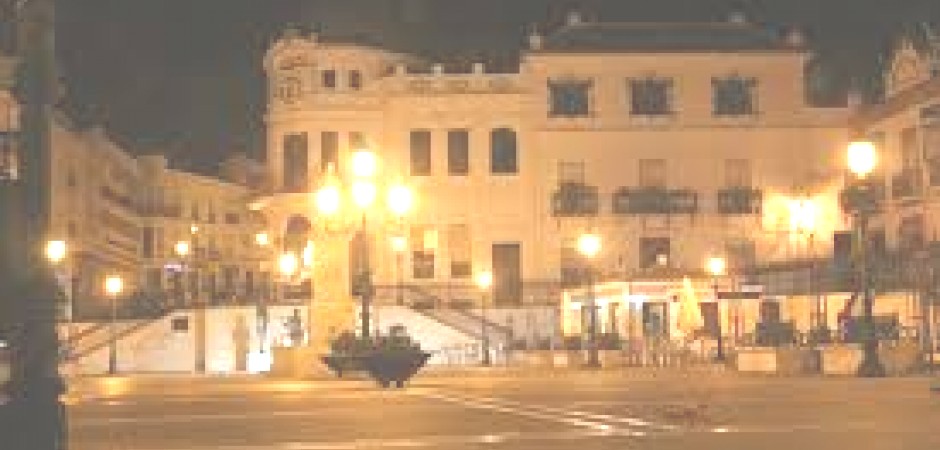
x=575, y=199
x=739, y=201
x=655, y=200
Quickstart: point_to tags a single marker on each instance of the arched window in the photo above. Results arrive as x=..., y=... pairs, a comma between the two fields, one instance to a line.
x=503, y=152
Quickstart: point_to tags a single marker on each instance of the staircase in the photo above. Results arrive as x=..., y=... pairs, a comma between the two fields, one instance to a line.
x=139, y=312
x=447, y=344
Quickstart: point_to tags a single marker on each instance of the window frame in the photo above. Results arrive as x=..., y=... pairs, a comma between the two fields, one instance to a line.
x=647, y=85
x=558, y=108
x=721, y=86
x=504, y=168
x=458, y=157
x=418, y=154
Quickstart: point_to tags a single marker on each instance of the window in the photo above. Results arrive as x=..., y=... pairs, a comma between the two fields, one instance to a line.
x=458, y=242
x=909, y=155
x=295, y=162
x=654, y=251
x=420, y=152
x=742, y=254
x=651, y=97
x=210, y=213
x=329, y=78
x=737, y=173
x=329, y=150
x=148, y=238
x=734, y=96
x=570, y=98
x=503, y=151
x=507, y=273
x=180, y=324
x=71, y=180
x=154, y=279
x=571, y=264
x=355, y=80
x=423, y=243
x=357, y=141
x=194, y=211
x=231, y=218
x=652, y=173
x=458, y=152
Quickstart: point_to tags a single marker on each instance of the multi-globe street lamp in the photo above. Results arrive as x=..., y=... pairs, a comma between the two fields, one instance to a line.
x=363, y=191
x=589, y=245
x=861, y=198
x=717, y=267
x=113, y=286
x=484, y=281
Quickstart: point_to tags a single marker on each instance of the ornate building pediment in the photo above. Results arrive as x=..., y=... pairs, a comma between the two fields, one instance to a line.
x=914, y=60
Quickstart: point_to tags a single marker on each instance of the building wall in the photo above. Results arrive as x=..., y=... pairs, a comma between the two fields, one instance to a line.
x=792, y=147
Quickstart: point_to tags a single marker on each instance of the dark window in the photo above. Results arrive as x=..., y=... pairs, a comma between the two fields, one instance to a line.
x=653, y=251
x=231, y=218
x=357, y=141
x=423, y=264
x=420, y=152
x=459, y=250
x=458, y=152
x=507, y=273
x=769, y=312
x=734, y=96
x=651, y=97
x=180, y=324
x=295, y=162
x=655, y=319
x=329, y=78
x=148, y=244
x=329, y=150
x=355, y=79
x=503, y=153
x=569, y=98
x=71, y=180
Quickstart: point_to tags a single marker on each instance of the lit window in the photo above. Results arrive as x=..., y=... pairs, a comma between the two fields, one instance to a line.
x=569, y=98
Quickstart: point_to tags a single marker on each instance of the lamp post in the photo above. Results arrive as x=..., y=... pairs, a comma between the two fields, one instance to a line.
x=862, y=157
x=484, y=282
x=113, y=285
x=182, y=251
x=399, y=245
x=716, y=267
x=364, y=192
x=589, y=245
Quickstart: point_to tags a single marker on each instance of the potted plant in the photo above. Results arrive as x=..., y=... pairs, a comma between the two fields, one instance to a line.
x=387, y=359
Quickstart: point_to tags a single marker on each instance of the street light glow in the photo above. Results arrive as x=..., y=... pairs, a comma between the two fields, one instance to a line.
x=716, y=265
x=287, y=263
x=400, y=199
x=363, y=193
x=589, y=244
x=181, y=248
x=862, y=157
x=113, y=285
x=262, y=239
x=484, y=279
x=56, y=251
x=193, y=229
x=803, y=215
x=307, y=255
x=364, y=164
x=399, y=243
x=328, y=200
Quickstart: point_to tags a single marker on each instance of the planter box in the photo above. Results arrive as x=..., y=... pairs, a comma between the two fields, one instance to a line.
x=841, y=359
x=397, y=366
x=777, y=360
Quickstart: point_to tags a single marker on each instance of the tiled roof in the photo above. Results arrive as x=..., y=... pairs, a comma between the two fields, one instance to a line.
x=664, y=37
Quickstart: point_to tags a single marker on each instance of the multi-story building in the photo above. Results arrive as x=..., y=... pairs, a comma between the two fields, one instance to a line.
x=674, y=142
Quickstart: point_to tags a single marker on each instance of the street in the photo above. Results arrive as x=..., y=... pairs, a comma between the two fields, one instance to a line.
x=568, y=410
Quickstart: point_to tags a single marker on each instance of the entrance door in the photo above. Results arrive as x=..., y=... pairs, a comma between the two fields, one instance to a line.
x=507, y=274
x=710, y=318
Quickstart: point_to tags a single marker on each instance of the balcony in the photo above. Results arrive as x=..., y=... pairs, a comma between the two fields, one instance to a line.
x=740, y=201
x=866, y=195
x=905, y=185
x=655, y=200
x=575, y=200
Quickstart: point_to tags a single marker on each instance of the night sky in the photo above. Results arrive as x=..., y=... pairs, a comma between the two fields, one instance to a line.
x=184, y=77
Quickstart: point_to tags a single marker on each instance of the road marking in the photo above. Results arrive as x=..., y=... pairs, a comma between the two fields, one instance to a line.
x=429, y=441
x=596, y=422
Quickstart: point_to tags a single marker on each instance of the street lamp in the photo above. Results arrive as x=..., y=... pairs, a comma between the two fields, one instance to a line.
x=363, y=191
x=484, y=282
x=589, y=245
x=262, y=239
x=717, y=267
x=399, y=245
x=862, y=157
x=56, y=251
x=113, y=285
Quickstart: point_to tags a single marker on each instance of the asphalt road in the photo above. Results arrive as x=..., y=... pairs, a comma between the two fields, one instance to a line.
x=583, y=411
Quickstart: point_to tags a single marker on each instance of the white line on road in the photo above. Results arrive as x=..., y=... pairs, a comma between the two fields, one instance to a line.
x=596, y=422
